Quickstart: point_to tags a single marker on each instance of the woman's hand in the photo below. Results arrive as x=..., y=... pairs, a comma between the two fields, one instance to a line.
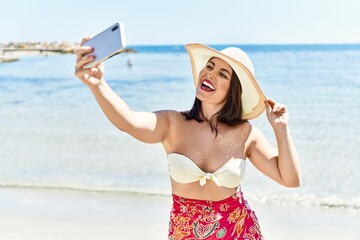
x=90, y=76
x=276, y=113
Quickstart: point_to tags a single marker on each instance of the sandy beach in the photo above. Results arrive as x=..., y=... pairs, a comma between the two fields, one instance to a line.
x=65, y=214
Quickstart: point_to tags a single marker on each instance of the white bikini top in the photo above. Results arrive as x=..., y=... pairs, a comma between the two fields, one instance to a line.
x=183, y=170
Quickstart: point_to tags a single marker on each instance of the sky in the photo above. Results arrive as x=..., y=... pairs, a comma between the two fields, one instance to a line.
x=157, y=22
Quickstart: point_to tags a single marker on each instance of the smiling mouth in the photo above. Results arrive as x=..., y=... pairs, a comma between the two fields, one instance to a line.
x=207, y=86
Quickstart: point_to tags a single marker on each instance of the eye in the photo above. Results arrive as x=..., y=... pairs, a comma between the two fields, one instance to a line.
x=223, y=75
x=209, y=66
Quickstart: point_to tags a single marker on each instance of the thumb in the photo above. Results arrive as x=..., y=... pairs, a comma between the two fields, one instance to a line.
x=267, y=107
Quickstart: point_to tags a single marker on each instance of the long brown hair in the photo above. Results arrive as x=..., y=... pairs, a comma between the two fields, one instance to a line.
x=230, y=113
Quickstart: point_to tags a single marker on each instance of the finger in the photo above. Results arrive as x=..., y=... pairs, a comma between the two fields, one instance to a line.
x=84, y=40
x=281, y=109
x=81, y=72
x=82, y=51
x=85, y=73
x=271, y=101
x=268, y=107
x=101, y=64
x=84, y=60
x=275, y=107
x=81, y=44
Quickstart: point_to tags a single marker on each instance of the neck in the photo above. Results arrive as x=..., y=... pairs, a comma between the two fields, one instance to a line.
x=208, y=110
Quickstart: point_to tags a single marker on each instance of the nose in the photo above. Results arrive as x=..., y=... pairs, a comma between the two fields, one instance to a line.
x=211, y=75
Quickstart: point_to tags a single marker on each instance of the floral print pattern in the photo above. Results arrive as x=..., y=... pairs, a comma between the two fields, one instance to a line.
x=230, y=219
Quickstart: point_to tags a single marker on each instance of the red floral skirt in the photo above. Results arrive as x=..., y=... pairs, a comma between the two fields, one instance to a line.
x=230, y=219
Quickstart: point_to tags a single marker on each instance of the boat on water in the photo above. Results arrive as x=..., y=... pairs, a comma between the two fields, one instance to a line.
x=6, y=59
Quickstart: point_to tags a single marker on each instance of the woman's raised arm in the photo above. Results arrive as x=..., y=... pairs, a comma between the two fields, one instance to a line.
x=145, y=126
x=281, y=164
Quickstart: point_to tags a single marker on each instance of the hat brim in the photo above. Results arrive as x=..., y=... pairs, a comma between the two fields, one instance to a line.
x=252, y=97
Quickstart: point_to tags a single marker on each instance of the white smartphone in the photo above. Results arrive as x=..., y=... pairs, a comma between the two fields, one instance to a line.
x=107, y=44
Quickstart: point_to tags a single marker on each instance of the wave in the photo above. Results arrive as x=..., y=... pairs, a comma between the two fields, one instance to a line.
x=304, y=200
x=87, y=189
x=276, y=199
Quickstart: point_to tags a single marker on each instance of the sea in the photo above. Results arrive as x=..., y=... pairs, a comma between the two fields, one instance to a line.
x=53, y=134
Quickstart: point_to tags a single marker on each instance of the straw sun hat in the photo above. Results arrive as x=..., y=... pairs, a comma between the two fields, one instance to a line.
x=252, y=97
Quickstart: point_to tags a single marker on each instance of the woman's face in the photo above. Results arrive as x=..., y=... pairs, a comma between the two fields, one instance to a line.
x=214, y=81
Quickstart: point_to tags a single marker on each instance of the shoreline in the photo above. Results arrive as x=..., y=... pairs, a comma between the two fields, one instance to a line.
x=299, y=201
x=68, y=214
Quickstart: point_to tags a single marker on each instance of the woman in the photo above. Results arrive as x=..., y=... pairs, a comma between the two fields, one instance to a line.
x=207, y=146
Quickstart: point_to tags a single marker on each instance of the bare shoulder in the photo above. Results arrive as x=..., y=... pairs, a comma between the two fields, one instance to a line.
x=173, y=121
x=258, y=144
x=170, y=115
x=254, y=135
x=171, y=118
x=254, y=132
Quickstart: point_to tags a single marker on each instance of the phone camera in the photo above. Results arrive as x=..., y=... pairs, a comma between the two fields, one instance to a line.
x=115, y=28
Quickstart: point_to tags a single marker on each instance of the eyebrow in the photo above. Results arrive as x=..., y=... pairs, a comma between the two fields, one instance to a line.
x=210, y=61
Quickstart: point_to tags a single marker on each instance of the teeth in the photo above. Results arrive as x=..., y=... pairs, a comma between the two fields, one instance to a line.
x=208, y=85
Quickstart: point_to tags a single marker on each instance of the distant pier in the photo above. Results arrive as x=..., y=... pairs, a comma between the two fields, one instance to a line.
x=19, y=48
x=12, y=51
x=39, y=50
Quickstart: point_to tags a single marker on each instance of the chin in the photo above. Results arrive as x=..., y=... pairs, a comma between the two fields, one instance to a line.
x=200, y=95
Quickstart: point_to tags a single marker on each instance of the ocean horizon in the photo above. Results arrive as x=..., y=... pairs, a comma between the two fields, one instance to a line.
x=157, y=48
x=54, y=135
